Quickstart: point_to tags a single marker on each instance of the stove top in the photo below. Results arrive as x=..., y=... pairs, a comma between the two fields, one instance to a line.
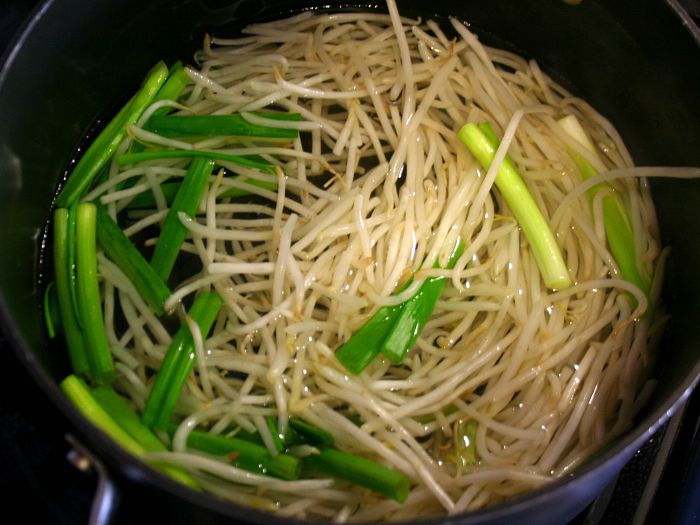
x=661, y=484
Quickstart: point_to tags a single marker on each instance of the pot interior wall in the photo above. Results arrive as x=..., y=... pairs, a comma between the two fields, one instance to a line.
x=638, y=66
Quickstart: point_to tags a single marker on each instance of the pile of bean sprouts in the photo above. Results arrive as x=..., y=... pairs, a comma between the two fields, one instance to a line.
x=376, y=190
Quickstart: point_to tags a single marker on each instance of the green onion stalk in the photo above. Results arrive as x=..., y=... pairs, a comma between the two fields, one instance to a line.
x=618, y=227
x=480, y=142
x=105, y=145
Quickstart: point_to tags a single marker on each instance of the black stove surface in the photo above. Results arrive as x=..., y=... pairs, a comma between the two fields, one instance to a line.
x=36, y=480
x=661, y=484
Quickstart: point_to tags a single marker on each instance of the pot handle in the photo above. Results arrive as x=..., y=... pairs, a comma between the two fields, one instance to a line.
x=106, y=497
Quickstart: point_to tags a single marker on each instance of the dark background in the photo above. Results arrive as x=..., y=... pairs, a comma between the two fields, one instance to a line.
x=39, y=485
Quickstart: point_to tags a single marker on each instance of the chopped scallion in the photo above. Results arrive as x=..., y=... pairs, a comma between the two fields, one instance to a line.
x=173, y=232
x=170, y=189
x=360, y=471
x=121, y=250
x=71, y=328
x=618, y=228
x=107, y=142
x=415, y=313
x=248, y=161
x=52, y=317
x=508, y=181
x=97, y=347
x=218, y=125
x=248, y=456
x=178, y=362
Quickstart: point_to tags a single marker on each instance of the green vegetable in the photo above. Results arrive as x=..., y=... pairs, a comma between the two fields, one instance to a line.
x=298, y=432
x=311, y=434
x=618, y=228
x=89, y=301
x=178, y=362
x=71, y=328
x=121, y=250
x=246, y=455
x=70, y=262
x=390, y=330
x=465, y=442
x=329, y=461
x=410, y=322
x=172, y=88
x=79, y=394
x=218, y=125
x=251, y=161
x=364, y=345
x=120, y=411
x=508, y=181
x=274, y=431
x=125, y=416
x=107, y=142
x=173, y=232
x=415, y=313
x=360, y=471
x=170, y=189
x=52, y=317
x=105, y=409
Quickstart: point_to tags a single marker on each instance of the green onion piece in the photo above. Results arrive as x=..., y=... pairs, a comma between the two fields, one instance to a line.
x=52, y=317
x=178, y=362
x=95, y=407
x=311, y=433
x=187, y=200
x=89, y=300
x=364, y=345
x=415, y=313
x=508, y=181
x=71, y=328
x=465, y=442
x=218, y=125
x=253, y=437
x=618, y=228
x=70, y=262
x=489, y=132
x=360, y=471
x=170, y=90
x=621, y=240
x=107, y=142
x=274, y=431
x=119, y=410
x=248, y=161
x=170, y=189
x=246, y=455
x=125, y=416
x=121, y=250
x=79, y=394
x=173, y=86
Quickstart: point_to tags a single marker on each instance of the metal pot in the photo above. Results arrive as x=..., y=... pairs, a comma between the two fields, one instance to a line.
x=635, y=61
